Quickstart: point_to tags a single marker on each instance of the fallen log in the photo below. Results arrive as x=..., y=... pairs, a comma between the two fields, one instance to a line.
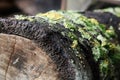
x=77, y=47
x=57, y=51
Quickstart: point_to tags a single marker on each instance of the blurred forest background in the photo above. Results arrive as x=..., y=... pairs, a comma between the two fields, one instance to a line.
x=32, y=7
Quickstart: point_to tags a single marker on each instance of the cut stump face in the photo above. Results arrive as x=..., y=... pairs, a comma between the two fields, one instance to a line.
x=21, y=59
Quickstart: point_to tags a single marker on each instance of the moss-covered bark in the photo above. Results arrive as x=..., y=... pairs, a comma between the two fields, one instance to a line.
x=71, y=37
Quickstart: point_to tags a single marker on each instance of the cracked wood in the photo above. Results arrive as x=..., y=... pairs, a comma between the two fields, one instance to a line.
x=21, y=59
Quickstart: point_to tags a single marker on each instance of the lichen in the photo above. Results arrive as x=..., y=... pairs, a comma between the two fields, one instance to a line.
x=22, y=17
x=91, y=30
x=51, y=15
x=81, y=29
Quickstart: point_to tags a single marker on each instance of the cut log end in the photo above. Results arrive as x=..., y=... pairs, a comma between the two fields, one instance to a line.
x=21, y=59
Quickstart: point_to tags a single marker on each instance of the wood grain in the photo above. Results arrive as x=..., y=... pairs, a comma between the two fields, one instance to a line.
x=21, y=59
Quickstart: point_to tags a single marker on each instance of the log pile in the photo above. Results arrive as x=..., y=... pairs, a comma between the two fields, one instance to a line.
x=59, y=46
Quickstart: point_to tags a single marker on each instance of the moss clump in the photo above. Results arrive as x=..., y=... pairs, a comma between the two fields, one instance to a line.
x=86, y=33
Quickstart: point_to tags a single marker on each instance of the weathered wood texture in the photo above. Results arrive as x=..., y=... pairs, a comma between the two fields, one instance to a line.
x=21, y=59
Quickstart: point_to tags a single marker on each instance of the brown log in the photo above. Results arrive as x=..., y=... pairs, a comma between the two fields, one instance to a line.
x=21, y=58
x=65, y=65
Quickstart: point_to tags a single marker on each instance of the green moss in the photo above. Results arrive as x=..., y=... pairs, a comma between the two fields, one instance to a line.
x=91, y=30
x=79, y=29
x=21, y=17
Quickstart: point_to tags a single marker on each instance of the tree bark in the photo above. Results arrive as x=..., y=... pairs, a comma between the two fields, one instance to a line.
x=43, y=53
x=54, y=55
